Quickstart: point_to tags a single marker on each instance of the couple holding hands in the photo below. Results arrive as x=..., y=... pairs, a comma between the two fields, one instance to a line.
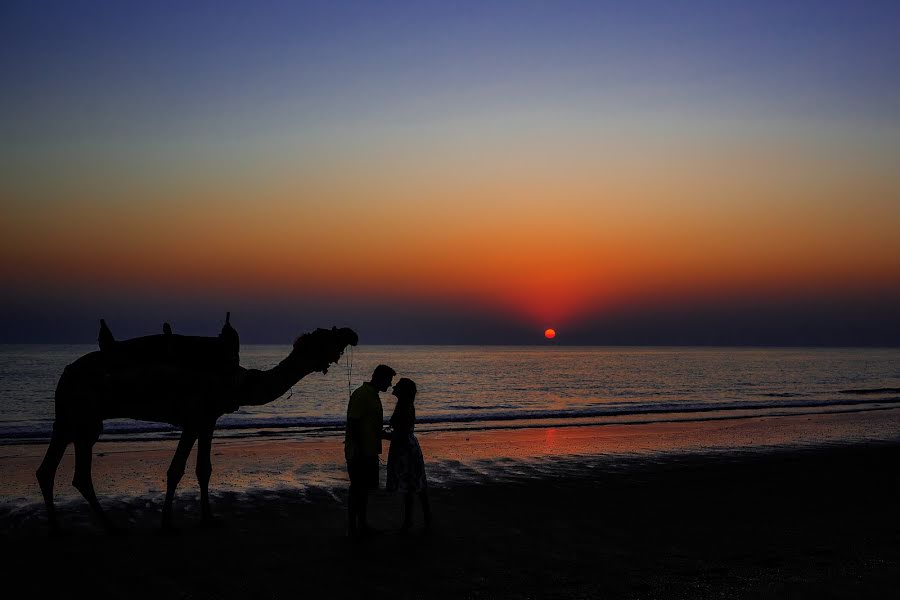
x=362, y=446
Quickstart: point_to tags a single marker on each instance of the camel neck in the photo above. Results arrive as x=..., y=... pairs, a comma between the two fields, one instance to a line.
x=275, y=382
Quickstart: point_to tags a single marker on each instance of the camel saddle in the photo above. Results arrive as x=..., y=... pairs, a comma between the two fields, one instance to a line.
x=220, y=353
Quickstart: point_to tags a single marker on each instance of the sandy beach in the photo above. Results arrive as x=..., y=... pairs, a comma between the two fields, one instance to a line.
x=806, y=521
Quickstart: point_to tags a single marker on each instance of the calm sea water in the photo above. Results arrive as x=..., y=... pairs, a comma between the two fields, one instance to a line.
x=494, y=387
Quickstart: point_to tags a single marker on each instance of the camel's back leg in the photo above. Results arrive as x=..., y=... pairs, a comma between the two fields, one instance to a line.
x=204, y=472
x=175, y=473
x=84, y=445
x=46, y=473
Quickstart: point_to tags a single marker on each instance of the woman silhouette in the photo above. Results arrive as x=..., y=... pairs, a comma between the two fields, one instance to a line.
x=406, y=466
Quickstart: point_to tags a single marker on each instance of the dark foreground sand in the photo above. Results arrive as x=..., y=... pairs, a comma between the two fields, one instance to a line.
x=787, y=524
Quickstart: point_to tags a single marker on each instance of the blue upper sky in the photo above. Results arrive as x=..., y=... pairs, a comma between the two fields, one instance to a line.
x=141, y=66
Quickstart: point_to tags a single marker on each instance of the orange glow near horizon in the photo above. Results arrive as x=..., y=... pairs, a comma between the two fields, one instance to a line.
x=550, y=334
x=548, y=244
x=512, y=266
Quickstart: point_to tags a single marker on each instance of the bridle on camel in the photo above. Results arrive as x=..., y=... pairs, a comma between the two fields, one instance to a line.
x=349, y=364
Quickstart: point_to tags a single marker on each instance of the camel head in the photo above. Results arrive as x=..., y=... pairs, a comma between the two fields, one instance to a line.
x=325, y=347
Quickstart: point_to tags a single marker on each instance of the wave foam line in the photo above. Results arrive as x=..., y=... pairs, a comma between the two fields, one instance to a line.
x=325, y=424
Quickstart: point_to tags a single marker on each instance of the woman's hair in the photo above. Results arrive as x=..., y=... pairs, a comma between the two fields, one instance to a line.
x=405, y=387
x=405, y=411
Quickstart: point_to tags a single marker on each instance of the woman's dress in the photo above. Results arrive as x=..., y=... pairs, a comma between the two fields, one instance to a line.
x=406, y=465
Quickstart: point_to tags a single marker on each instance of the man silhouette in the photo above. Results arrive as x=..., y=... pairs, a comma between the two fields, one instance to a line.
x=362, y=445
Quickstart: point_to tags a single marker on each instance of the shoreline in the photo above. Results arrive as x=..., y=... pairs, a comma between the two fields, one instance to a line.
x=134, y=469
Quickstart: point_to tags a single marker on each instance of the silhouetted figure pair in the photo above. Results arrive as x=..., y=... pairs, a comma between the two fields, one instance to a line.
x=362, y=446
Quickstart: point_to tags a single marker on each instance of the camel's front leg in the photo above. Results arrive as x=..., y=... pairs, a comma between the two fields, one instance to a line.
x=176, y=471
x=46, y=475
x=82, y=481
x=204, y=471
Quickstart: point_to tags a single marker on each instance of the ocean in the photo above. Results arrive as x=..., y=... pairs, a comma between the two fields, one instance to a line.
x=491, y=387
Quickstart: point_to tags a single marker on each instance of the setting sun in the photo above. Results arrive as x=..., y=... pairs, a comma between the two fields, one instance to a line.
x=550, y=334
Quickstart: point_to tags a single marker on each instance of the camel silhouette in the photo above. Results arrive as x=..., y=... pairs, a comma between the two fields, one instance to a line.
x=186, y=381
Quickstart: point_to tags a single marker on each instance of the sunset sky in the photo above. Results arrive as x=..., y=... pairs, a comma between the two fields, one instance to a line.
x=452, y=172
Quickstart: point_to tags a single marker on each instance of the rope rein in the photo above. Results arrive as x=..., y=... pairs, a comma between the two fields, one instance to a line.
x=349, y=371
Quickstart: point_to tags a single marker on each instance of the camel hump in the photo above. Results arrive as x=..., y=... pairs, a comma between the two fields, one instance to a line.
x=214, y=353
